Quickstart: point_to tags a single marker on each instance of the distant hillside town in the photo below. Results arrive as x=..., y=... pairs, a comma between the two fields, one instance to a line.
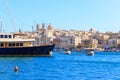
x=75, y=39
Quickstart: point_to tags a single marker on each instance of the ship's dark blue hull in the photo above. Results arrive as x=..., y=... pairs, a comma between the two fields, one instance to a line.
x=27, y=51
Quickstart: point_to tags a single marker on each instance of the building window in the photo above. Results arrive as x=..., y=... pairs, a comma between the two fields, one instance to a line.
x=17, y=44
x=10, y=36
x=30, y=43
x=2, y=45
x=21, y=44
x=13, y=44
x=10, y=44
x=1, y=36
x=5, y=36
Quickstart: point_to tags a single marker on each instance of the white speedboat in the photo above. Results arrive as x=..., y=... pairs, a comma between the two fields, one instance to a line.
x=68, y=52
x=90, y=52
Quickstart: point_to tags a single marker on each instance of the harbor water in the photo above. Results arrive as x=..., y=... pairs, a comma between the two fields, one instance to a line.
x=60, y=66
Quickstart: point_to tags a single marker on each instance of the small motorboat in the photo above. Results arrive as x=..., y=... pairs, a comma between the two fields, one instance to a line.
x=90, y=52
x=68, y=52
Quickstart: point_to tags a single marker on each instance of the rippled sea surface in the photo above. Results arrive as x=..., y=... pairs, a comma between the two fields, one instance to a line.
x=76, y=66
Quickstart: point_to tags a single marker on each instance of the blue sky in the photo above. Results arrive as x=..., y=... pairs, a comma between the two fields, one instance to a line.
x=102, y=15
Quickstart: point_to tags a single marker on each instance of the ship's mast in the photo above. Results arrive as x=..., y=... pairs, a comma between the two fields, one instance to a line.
x=10, y=14
x=2, y=27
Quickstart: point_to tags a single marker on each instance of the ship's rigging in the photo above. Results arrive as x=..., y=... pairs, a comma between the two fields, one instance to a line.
x=2, y=26
x=10, y=15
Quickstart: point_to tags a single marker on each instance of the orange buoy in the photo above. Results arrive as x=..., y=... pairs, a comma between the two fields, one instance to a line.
x=16, y=69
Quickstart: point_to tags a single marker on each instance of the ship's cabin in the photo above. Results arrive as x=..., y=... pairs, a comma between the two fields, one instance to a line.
x=12, y=43
x=6, y=35
x=8, y=41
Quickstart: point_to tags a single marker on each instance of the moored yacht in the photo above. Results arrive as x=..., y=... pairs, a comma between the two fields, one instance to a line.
x=89, y=52
x=67, y=52
x=12, y=46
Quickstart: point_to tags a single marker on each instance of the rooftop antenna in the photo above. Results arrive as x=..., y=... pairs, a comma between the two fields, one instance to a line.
x=10, y=14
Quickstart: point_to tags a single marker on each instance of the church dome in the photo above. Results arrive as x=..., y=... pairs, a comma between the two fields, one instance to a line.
x=50, y=27
x=92, y=30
